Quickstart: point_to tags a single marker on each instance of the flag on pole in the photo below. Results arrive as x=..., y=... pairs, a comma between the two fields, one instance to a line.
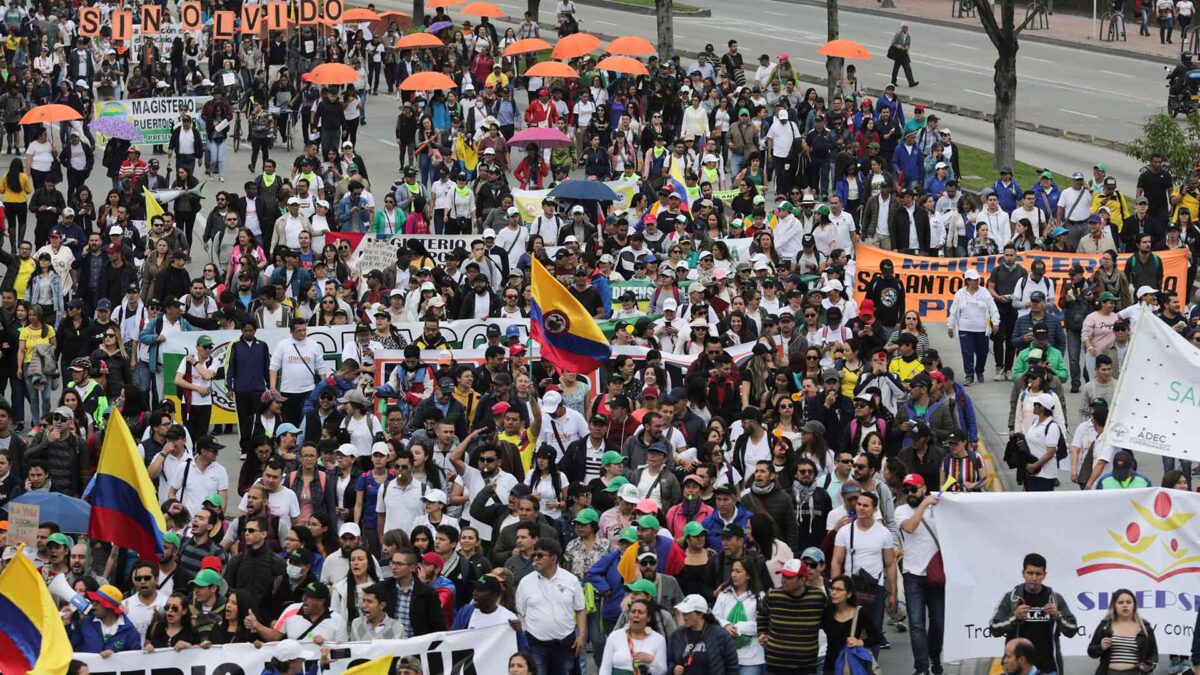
x=33, y=639
x=153, y=208
x=125, y=509
x=570, y=338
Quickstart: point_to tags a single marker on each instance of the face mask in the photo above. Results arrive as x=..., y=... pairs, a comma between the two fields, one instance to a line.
x=295, y=572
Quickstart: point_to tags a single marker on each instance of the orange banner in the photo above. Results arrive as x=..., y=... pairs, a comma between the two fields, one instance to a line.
x=252, y=19
x=122, y=25
x=930, y=283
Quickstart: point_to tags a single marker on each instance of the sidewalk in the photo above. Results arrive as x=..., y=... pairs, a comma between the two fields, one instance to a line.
x=1067, y=29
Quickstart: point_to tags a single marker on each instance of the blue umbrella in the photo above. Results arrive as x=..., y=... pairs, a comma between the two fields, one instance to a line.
x=585, y=189
x=69, y=513
x=439, y=26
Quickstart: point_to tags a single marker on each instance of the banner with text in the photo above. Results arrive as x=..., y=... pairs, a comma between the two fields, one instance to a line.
x=1144, y=540
x=479, y=651
x=930, y=283
x=376, y=252
x=154, y=117
x=1157, y=397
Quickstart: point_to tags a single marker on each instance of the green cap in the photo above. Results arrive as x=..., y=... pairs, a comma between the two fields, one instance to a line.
x=743, y=111
x=784, y=205
x=1102, y=166
x=206, y=578
x=648, y=521
x=1035, y=354
x=172, y=539
x=693, y=529
x=759, y=199
x=1106, y=296
x=59, y=539
x=215, y=500
x=616, y=483
x=587, y=517
x=612, y=457
x=1047, y=174
x=643, y=586
x=628, y=534
x=823, y=209
x=204, y=341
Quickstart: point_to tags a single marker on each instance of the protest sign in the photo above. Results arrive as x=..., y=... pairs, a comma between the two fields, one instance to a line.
x=23, y=522
x=930, y=283
x=1145, y=540
x=439, y=246
x=375, y=254
x=478, y=651
x=1155, y=404
x=643, y=289
x=154, y=117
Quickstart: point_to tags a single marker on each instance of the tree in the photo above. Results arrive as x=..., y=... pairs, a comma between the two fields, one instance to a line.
x=1177, y=143
x=1004, y=82
x=419, y=13
x=833, y=65
x=666, y=28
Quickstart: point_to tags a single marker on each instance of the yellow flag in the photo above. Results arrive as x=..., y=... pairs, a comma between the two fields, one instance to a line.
x=153, y=208
x=379, y=666
x=950, y=481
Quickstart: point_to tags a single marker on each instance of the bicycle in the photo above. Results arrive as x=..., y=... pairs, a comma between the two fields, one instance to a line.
x=237, y=130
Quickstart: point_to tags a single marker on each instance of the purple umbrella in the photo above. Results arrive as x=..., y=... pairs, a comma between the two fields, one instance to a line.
x=440, y=26
x=116, y=127
x=543, y=137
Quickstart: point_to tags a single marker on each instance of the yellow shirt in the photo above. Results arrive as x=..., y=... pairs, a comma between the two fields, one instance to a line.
x=1188, y=202
x=16, y=196
x=905, y=370
x=24, y=274
x=494, y=79
x=32, y=338
x=1118, y=207
x=525, y=446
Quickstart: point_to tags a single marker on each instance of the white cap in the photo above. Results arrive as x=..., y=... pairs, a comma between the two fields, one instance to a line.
x=396, y=293
x=513, y=211
x=783, y=115
x=206, y=82
x=670, y=305
x=68, y=212
x=692, y=603
x=1143, y=290
x=288, y=650
x=971, y=274
x=81, y=83
x=577, y=209
x=379, y=448
x=941, y=165
x=710, y=158
x=322, y=203
x=349, y=528
x=762, y=265
x=1046, y=400
x=347, y=144
x=489, y=232
x=832, y=285
x=551, y=401
x=435, y=495
x=630, y=493
x=607, y=258
x=349, y=450
x=706, y=254
x=162, y=85
x=695, y=287
x=489, y=151
x=116, y=229
x=294, y=201
x=571, y=239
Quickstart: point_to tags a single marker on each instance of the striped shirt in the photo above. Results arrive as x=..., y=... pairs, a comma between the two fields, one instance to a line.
x=791, y=624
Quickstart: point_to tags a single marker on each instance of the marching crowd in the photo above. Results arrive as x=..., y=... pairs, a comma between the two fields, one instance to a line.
x=684, y=511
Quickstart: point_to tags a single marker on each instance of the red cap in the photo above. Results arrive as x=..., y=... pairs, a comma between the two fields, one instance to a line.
x=794, y=568
x=114, y=248
x=937, y=375
x=882, y=353
x=211, y=562
x=516, y=349
x=500, y=408
x=866, y=310
x=56, y=235
x=434, y=559
x=914, y=479
x=650, y=391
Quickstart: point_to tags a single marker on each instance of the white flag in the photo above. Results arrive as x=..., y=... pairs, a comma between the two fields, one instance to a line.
x=1156, y=407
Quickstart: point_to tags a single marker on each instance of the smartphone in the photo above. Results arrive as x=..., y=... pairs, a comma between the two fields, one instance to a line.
x=343, y=653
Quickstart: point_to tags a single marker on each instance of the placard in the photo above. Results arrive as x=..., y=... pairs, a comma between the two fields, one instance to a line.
x=252, y=18
x=223, y=24
x=190, y=15
x=151, y=19
x=277, y=13
x=23, y=521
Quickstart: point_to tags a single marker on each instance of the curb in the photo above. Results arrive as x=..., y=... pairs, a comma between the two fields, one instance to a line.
x=638, y=9
x=1025, y=35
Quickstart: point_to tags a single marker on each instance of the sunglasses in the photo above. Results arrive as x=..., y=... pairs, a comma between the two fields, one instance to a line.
x=139, y=579
x=911, y=490
x=252, y=531
x=806, y=472
x=487, y=460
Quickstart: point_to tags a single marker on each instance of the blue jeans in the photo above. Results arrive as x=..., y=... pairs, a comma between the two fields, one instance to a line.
x=825, y=178
x=752, y=670
x=596, y=636
x=39, y=399
x=974, y=347
x=216, y=156
x=1036, y=484
x=17, y=398
x=1184, y=465
x=553, y=657
x=425, y=167
x=736, y=162
x=923, y=599
x=1074, y=347
x=875, y=614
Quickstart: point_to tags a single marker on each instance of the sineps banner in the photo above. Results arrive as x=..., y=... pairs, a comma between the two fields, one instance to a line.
x=1155, y=404
x=1144, y=540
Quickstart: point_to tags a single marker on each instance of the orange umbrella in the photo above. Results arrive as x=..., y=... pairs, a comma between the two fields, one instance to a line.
x=333, y=73
x=427, y=81
x=359, y=14
x=434, y=4
x=631, y=45
x=622, y=64
x=846, y=49
x=418, y=41
x=551, y=69
x=483, y=9
x=525, y=46
x=574, y=45
x=51, y=112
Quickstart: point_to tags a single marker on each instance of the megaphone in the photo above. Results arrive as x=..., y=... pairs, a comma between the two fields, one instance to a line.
x=61, y=589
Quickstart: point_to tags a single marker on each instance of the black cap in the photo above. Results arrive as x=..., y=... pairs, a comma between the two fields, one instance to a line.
x=751, y=413
x=317, y=590
x=493, y=330
x=1040, y=330
x=956, y=436
x=733, y=530
x=208, y=443
x=300, y=556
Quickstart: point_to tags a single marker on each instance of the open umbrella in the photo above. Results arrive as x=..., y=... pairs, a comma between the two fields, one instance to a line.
x=525, y=46
x=846, y=49
x=333, y=73
x=543, y=137
x=623, y=64
x=359, y=14
x=585, y=189
x=69, y=513
x=427, y=81
x=551, y=69
x=576, y=44
x=419, y=41
x=631, y=45
x=483, y=9
x=51, y=112
x=434, y=4
x=116, y=127
x=439, y=26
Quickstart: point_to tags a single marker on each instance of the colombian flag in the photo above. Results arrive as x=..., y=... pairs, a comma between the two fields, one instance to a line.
x=570, y=339
x=33, y=639
x=125, y=508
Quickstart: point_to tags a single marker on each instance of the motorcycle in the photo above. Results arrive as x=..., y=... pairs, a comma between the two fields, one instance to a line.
x=1183, y=87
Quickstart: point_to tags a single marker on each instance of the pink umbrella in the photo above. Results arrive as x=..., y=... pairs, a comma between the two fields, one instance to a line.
x=543, y=137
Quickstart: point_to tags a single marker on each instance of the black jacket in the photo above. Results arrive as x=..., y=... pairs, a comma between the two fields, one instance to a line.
x=252, y=573
x=424, y=610
x=900, y=227
x=574, y=461
x=777, y=504
x=810, y=518
x=1147, y=646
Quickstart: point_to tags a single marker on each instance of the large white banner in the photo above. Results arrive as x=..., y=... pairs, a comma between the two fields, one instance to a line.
x=481, y=651
x=1094, y=542
x=155, y=117
x=1158, y=395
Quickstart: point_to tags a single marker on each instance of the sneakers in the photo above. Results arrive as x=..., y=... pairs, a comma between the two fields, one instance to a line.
x=20, y=427
x=979, y=376
x=1007, y=375
x=1074, y=387
x=969, y=381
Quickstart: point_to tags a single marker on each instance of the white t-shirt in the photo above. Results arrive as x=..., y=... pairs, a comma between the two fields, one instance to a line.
x=474, y=483
x=141, y=614
x=400, y=505
x=282, y=504
x=296, y=363
x=549, y=605
x=1040, y=436
x=297, y=627
x=498, y=617
x=544, y=489
x=197, y=379
x=867, y=552
x=561, y=432
x=919, y=546
x=200, y=483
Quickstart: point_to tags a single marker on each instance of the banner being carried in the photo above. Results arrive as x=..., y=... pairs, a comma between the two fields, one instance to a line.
x=930, y=283
x=154, y=117
x=1144, y=540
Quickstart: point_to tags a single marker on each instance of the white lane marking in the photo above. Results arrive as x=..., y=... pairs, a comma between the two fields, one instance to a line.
x=961, y=46
x=1034, y=58
x=605, y=23
x=801, y=58
x=773, y=13
x=1111, y=72
x=979, y=93
x=1081, y=114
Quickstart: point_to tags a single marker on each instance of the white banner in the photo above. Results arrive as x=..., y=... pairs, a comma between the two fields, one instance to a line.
x=1143, y=540
x=1158, y=395
x=154, y=117
x=480, y=651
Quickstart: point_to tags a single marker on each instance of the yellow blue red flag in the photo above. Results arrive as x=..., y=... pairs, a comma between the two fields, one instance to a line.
x=569, y=337
x=33, y=639
x=125, y=508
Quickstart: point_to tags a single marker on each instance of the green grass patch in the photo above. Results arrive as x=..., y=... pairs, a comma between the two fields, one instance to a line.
x=650, y=3
x=979, y=171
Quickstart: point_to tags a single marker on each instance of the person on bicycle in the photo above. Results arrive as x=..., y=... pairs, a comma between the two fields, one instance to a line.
x=282, y=100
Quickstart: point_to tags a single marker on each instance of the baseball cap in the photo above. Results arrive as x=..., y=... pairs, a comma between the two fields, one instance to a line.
x=643, y=585
x=914, y=479
x=631, y=494
x=794, y=568
x=814, y=554
x=617, y=483
x=206, y=578
x=648, y=522
x=692, y=603
x=587, y=517
x=693, y=529
x=628, y=534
